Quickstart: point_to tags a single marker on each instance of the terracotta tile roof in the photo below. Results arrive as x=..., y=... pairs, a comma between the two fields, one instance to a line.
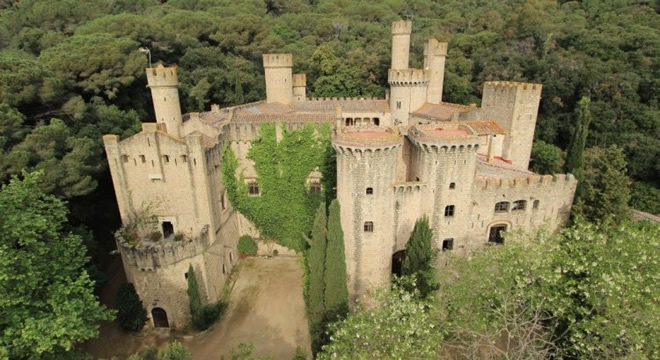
x=289, y=117
x=484, y=127
x=442, y=111
x=347, y=104
x=499, y=169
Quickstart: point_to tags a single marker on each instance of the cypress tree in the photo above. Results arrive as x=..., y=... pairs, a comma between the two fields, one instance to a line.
x=420, y=254
x=575, y=157
x=194, y=297
x=131, y=313
x=336, y=292
x=316, y=260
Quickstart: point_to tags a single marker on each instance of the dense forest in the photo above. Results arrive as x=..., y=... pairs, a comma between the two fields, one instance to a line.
x=73, y=70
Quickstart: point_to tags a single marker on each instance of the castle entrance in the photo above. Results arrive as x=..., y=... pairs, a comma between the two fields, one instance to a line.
x=397, y=262
x=495, y=234
x=160, y=317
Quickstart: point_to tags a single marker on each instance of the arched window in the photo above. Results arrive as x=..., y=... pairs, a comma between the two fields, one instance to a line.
x=502, y=206
x=368, y=226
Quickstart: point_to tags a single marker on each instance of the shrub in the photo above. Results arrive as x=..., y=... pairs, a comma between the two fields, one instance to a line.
x=131, y=314
x=178, y=236
x=208, y=315
x=155, y=236
x=247, y=245
x=275, y=252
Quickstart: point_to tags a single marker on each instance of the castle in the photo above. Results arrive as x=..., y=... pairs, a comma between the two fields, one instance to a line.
x=398, y=159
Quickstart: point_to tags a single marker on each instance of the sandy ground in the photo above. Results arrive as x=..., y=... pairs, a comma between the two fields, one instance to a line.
x=266, y=308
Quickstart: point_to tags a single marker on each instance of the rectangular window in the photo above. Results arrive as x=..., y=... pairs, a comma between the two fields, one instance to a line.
x=143, y=159
x=502, y=206
x=448, y=244
x=449, y=210
x=452, y=186
x=368, y=226
x=166, y=158
x=535, y=205
x=124, y=158
x=370, y=191
x=398, y=104
x=519, y=205
x=315, y=187
x=253, y=188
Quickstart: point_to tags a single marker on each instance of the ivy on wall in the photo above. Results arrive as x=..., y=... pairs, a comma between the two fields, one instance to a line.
x=285, y=207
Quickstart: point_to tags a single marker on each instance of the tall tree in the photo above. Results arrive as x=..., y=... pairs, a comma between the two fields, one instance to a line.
x=606, y=187
x=336, y=292
x=194, y=297
x=47, y=304
x=316, y=261
x=420, y=254
x=575, y=157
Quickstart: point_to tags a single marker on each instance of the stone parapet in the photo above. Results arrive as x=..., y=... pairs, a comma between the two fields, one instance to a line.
x=402, y=27
x=408, y=77
x=546, y=181
x=162, y=76
x=277, y=60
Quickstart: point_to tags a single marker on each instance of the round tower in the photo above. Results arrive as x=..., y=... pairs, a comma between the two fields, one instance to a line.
x=407, y=92
x=279, y=78
x=401, y=43
x=366, y=172
x=164, y=86
x=435, y=54
x=445, y=158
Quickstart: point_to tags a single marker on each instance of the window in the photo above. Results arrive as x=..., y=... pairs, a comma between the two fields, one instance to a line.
x=447, y=244
x=166, y=158
x=502, y=206
x=315, y=187
x=184, y=158
x=398, y=104
x=143, y=159
x=495, y=234
x=449, y=210
x=452, y=186
x=124, y=158
x=370, y=191
x=535, y=204
x=253, y=188
x=377, y=121
x=224, y=269
x=349, y=121
x=519, y=205
x=185, y=275
x=368, y=226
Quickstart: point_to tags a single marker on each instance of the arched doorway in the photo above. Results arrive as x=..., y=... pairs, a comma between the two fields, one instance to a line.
x=495, y=233
x=159, y=317
x=397, y=262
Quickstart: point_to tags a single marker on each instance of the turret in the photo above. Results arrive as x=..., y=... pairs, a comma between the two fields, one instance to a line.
x=299, y=87
x=407, y=92
x=435, y=54
x=279, y=78
x=401, y=43
x=164, y=86
x=366, y=172
x=515, y=106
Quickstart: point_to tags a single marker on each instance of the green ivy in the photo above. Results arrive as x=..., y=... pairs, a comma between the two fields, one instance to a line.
x=284, y=209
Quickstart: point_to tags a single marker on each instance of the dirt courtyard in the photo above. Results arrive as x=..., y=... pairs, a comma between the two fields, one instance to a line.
x=266, y=308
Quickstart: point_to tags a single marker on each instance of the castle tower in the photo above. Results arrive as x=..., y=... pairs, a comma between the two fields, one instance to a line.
x=445, y=159
x=407, y=92
x=299, y=87
x=279, y=78
x=366, y=172
x=401, y=43
x=435, y=54
x=515, y=106
x=164, y=86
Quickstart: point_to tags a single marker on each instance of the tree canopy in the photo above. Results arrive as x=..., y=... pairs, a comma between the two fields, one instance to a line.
x=46, y=297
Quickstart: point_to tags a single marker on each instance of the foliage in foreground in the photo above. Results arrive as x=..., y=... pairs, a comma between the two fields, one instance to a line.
x=590, y=292
x=47, y=303
x=400, y=327
x=130, y=311
x=203, y=316
x=173, y=351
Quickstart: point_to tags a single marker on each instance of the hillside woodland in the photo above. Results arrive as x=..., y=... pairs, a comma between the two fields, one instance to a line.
x=73, y=70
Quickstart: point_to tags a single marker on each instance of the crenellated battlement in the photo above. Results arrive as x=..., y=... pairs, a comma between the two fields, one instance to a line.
x=508, y=86
x=367, y=138
x=148, y=256
x=342, y=98
x=408, y=77
x=546, y=181
x=363, y=151
x=162, y=76
x=277, y=60
x=449, y=138
x=436, y=48
x=402, y=27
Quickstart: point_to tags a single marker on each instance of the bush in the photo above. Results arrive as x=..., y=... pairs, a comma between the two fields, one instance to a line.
x=131, y=314
x=247, y=245
x=155, y=236
x=208, y=315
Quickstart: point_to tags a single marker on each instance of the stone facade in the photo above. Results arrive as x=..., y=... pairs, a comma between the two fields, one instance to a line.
x=398, y=159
